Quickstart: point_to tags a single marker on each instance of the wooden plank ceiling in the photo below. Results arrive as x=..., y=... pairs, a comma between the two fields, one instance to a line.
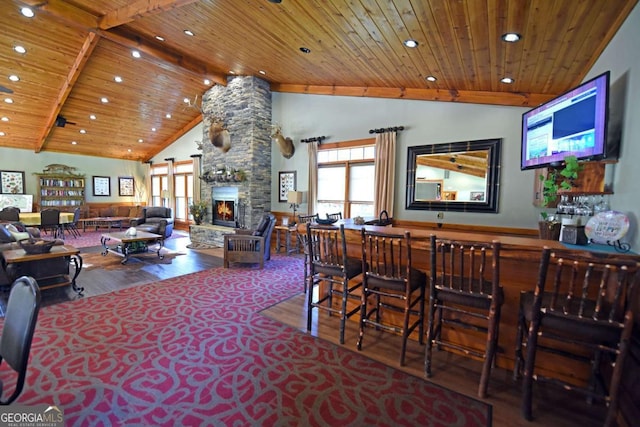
x=76, y=48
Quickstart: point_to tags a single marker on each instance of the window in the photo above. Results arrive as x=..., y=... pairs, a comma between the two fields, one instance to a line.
x=346, y=178
x=182, y=186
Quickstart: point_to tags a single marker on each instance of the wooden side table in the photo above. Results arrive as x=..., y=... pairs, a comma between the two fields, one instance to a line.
x=289, y=231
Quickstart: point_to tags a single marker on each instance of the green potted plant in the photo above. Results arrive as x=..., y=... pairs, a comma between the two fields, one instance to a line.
x=557, y=180
x=198, y=210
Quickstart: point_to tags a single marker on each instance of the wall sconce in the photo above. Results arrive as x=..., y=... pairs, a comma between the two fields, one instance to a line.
x=294, y=198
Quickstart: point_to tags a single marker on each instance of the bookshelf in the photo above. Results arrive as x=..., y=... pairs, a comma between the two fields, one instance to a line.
x=65, y=191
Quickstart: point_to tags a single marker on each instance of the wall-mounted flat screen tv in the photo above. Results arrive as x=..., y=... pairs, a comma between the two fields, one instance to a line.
x=574, y=123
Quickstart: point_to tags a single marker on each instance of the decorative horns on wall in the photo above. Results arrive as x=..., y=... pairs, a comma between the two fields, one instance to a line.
x=383, y=130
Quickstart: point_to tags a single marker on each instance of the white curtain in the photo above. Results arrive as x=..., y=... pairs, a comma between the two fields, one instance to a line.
x=197, y=165
x=385, y=170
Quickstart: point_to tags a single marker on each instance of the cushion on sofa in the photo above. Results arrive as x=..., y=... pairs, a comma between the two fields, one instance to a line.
x=17, y=235
x=5, y=235
x=157, y=211
x=262, y=226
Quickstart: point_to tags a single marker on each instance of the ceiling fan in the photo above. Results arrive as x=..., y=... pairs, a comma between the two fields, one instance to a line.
x=5, y=89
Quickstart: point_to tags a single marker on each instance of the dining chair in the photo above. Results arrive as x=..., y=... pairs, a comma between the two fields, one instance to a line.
x=394, y=286
x=465, y=295
x=333, y=273
x=17, y=332
x=50, y=222
x=73, y=226
x=302, y=243
x=10, y=214
x=582, y=311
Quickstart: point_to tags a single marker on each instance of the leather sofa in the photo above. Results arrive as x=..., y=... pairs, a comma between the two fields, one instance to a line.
x=155, y=219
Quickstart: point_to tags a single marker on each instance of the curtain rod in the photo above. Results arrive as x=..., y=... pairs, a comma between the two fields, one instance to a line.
x=314, y=139
x=382, y=130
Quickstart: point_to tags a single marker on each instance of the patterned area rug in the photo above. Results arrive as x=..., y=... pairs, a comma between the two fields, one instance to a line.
x=195, y=350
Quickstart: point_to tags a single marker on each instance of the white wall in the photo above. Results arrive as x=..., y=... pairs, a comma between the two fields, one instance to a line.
x=183, y=148
x=30, y=163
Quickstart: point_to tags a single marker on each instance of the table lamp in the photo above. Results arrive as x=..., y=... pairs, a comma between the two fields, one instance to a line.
x=294, y=198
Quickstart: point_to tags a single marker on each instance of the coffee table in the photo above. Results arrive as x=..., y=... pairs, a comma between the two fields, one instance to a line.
x=131, y=245
x=50, y=269
x=103, y=221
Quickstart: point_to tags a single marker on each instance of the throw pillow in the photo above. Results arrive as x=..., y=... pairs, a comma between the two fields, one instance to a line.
x=5, y=235
x=17, y=235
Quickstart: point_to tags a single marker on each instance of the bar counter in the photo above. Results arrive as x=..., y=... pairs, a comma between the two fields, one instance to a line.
x=519, y=263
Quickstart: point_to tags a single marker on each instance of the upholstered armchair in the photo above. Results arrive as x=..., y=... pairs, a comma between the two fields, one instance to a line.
x=250, y=248
x=155, y=219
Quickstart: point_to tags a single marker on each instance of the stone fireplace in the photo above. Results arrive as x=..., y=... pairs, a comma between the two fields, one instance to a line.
x=244, y=105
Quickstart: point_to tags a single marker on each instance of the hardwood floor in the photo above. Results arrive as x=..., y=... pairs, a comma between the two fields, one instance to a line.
x=552, y=407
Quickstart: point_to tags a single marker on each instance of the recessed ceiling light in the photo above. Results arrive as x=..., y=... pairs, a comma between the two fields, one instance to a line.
x=264, y=73
x=186, y=100
x=20, y=49
x=189, y=33
x=129, y=150
x=135, y=54
x=153, y=129
x=140, y=140
x=83, y=131
x=92, y=116
x=160, y=38
x=231, y=72
x=207, y=82
x=2, y=134
x=5, y=119
x=104, y=100
x=168, y=115
x=507, y=80
x=511, y=37
x=27, y=12
x=14, y=78
x=118, y=79
x=431, y=78
x=305, y=50
x=8, y=100
x=73, y=143
x=411, y=43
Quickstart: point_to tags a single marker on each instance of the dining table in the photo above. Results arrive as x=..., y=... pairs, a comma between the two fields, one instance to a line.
x=33, y=218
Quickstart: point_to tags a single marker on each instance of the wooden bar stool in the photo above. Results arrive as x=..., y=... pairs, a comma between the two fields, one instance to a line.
x=466, y=293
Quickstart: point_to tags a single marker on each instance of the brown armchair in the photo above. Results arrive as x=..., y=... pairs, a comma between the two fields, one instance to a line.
x=250, y=248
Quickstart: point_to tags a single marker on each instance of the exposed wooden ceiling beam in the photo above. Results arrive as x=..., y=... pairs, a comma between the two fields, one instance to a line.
x=138, y=9
x=78, y=64
x=476, y=97
x=78, y=18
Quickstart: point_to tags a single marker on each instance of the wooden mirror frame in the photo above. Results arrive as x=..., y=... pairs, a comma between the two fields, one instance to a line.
x=490, y=203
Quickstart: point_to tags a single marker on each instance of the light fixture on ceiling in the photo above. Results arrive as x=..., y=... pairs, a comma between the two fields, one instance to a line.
x=189, y=33
x=140, y=140
x=153, y=129
x=25, y=11
x=168, y=115
x=8, y=100
x=129, y=150
x=431, y=78
x=92, y=116
x=264, y=73
x=207, y=82
x=186, y=100
x=305, y=50
x=2, y=134
x=74, y=143
x=135, y=54
x=117, y=79
x=5, y=119
x=507, y=80
x=14, y=78
x=20, y=49
x=411, y=43
x=511, y=37
x=104, y=100
x=160, y=38
x=82, y=131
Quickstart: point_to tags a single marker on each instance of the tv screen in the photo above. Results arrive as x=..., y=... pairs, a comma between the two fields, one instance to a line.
x=574, y=123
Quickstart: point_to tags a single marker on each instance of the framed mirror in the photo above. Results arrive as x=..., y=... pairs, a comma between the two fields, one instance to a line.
x=460, y=176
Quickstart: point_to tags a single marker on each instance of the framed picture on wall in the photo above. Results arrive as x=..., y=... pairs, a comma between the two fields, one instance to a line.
x=125, y=186
x=287, y=182
x=101, y=186
x=11, y=182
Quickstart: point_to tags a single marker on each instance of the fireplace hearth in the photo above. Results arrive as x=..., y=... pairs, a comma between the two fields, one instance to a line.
x=225, y=206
